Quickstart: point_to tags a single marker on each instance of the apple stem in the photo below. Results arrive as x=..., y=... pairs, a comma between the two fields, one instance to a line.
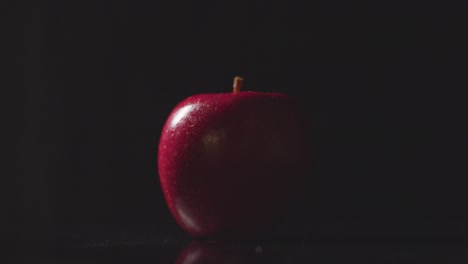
x=238, y=81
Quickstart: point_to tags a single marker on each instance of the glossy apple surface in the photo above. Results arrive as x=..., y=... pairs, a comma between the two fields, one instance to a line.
x=230, y=164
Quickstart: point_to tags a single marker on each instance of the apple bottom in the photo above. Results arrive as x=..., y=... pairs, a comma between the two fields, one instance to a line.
x=236, y=203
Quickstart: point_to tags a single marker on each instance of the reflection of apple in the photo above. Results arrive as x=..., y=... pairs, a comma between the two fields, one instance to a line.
x=230, y=164
x=209, y=253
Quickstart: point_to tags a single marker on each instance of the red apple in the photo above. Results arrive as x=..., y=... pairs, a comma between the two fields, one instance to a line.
x=231, y=164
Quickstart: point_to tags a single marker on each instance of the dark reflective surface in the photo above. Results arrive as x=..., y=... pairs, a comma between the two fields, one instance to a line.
x=199, y=252
x=182, y=250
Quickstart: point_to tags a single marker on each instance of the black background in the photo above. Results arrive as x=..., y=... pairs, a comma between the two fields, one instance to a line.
x=92, y=84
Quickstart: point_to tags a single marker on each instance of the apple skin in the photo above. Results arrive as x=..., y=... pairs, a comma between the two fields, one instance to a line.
x=232, y=164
